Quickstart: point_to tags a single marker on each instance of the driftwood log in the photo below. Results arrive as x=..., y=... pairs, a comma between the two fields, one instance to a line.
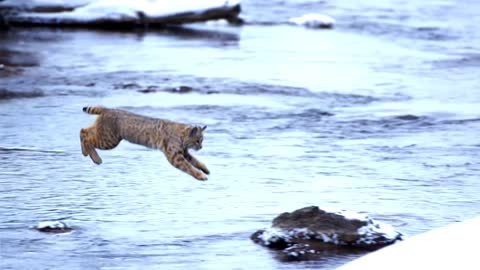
x=22, y=16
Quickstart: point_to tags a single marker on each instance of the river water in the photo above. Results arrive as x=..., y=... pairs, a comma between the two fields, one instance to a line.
x=379, y=115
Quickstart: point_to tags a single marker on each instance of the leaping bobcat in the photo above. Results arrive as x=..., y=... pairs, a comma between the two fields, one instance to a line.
x=172, y=138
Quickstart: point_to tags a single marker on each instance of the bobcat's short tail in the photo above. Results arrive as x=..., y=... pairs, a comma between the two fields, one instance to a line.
x=94, y=110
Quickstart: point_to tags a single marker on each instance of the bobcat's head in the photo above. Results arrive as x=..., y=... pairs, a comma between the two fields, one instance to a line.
x=195, y=138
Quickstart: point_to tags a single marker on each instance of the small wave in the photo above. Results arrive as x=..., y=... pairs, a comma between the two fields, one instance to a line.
x=313, y=20
x=397, y=29
x=7, y=94
x=391, y=124
x=188, y=84
x=312, y=114
x=181, y=84
x=397, y=121
x=432, y=33
x=407, y=117
x=222, y=37
x=14, y=58
x=466, y=60
x=182, y=89
x=7, y=149
x=362, y=127
x=460, y=121
x=208, y=238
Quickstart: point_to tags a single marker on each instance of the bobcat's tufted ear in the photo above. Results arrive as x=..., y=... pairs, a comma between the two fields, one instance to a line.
x=204, y=127
x=193, y=132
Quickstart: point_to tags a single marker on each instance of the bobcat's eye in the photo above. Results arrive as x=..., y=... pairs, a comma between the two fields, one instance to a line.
x=198, y=142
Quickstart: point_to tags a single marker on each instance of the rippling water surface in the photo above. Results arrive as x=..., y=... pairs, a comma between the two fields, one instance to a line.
x=380, y=115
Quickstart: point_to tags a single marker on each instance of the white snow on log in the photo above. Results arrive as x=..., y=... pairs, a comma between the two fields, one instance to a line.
x=92, y=10
x=450, y=247
x=313, y=20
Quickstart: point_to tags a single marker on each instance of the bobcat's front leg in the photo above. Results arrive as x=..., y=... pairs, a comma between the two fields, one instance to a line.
x=178, y=161
x=196, y=163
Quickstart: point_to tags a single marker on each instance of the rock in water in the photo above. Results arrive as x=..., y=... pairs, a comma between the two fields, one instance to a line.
x=310, y=230
x=53, y=227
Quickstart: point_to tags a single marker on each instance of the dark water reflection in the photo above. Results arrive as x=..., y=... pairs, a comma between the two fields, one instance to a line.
x=346, y=118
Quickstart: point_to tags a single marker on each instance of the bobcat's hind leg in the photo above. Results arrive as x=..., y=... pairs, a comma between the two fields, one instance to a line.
x=83, y=135
x=94, y=156
x=87, y=141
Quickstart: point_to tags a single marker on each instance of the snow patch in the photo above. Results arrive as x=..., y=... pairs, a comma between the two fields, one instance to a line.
x=374, y=229
x=303, y=233
x=351, y=215
x=292, y=253
x=313, y=20
x=298, y=250
x=272, y=235
x=332, y=238
x=60, y=225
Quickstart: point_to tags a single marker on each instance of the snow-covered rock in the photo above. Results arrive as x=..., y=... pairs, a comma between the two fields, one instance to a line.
x=313, y=20
x=53, y=227
x=310, y=230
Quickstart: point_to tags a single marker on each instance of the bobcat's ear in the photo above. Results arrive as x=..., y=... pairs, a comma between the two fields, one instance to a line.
x=204, y=127
x=193, y=131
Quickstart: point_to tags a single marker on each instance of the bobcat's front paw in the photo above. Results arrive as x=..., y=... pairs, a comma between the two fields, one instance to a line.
x=205, y=170
x=200, y=177
x=202, y=167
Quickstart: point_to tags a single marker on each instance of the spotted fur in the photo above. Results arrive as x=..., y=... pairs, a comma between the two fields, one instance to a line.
x=172, y=138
